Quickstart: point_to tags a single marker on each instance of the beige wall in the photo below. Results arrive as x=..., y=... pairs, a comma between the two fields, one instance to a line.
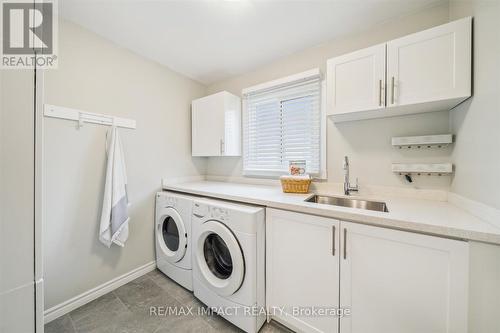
x=368, y=143
x=98, y=76
x=476, y=122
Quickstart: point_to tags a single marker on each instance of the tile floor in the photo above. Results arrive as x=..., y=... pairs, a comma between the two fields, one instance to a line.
x=126, y=310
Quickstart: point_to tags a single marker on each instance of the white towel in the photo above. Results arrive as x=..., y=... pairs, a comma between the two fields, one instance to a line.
x=114, y=216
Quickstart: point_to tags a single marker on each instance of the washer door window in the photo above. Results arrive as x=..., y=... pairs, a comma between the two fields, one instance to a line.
x=171, y=235
x=219, y=258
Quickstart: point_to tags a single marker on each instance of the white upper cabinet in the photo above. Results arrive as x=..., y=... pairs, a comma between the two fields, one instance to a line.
x=426, y=71
x=432, y=65
x=356, y=81
x=216, y=125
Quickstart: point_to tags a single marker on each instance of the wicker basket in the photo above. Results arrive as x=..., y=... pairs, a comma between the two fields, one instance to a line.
x=295, y=185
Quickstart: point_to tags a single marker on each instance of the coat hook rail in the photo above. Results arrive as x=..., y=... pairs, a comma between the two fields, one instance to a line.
x=86, y=117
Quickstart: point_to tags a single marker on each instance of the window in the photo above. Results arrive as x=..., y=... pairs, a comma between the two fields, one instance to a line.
x=282, y=122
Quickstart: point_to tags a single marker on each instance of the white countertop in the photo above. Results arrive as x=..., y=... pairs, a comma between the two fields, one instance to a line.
x=424, y=216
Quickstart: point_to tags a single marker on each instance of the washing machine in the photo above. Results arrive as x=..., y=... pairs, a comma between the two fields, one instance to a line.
x=173, y=237
x=229, y=261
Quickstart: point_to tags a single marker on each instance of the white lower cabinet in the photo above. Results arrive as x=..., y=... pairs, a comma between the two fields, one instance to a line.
x=302, y=269
x=395, y=281
x=391, y=281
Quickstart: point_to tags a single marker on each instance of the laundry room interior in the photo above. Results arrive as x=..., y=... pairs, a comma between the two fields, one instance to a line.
x=250, y=166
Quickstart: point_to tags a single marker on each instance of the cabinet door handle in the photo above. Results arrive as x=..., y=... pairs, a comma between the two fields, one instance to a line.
x=222, y=146
x=345, y=243
x=392, y=90
x=333, y=241
x=379, y=92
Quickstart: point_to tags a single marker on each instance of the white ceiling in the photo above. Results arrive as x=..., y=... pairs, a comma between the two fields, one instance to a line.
x=211, y=40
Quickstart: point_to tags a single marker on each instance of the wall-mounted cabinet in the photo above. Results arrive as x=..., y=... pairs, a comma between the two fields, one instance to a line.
x=356, y=81
x=389, y=280
x=422, y=72
x=216, y=125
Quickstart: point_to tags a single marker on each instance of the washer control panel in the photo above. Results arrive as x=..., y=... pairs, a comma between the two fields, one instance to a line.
x=212, y=212
x=218, y=213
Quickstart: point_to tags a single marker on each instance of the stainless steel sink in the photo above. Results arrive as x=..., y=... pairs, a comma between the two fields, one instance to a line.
x=348, y=202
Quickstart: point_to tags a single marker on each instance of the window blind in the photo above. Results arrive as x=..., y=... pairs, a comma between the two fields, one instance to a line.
x=282, y=123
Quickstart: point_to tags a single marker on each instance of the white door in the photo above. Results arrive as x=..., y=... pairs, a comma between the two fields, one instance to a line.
x=395, y=281
x=208, y=125
x=356, y=81
x=171, y=235
x=18, y=228
x=431, y=65
x=302, y=268
x=219, y=258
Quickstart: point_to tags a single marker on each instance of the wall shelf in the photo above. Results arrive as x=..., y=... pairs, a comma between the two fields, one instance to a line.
x=424, y=141
x=422, y=168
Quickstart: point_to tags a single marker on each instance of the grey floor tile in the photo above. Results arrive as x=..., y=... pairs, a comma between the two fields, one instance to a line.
x=93, y=306
x=136, y=323
x=220, y=324
x=200, y=309
x=186, y=324
x=165, y=299
x=173, y=323
x=104, y=319
x=151, y=303
x=274, y=327
x=162, y=305
x=155, y=274
x=60, y=325
x=138, y=293
x=181, y=294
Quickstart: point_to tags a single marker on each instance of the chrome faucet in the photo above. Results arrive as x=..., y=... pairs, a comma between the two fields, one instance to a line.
x=347, y=186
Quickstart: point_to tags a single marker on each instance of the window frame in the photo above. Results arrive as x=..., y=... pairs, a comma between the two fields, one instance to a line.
x=322, y=174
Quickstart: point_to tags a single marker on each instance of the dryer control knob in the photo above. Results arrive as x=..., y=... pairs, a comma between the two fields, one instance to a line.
x=200, y=210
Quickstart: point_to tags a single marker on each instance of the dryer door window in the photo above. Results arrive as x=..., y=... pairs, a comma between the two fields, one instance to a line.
x=219, y=258
x=171, y=235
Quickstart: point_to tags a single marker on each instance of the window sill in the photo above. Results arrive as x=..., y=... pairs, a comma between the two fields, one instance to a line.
x=266, y=174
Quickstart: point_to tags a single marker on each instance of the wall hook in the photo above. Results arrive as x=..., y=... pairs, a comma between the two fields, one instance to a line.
x=80, y=120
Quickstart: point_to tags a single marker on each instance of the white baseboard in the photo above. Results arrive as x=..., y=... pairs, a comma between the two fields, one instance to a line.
x=478, y=209
x=90, y=295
